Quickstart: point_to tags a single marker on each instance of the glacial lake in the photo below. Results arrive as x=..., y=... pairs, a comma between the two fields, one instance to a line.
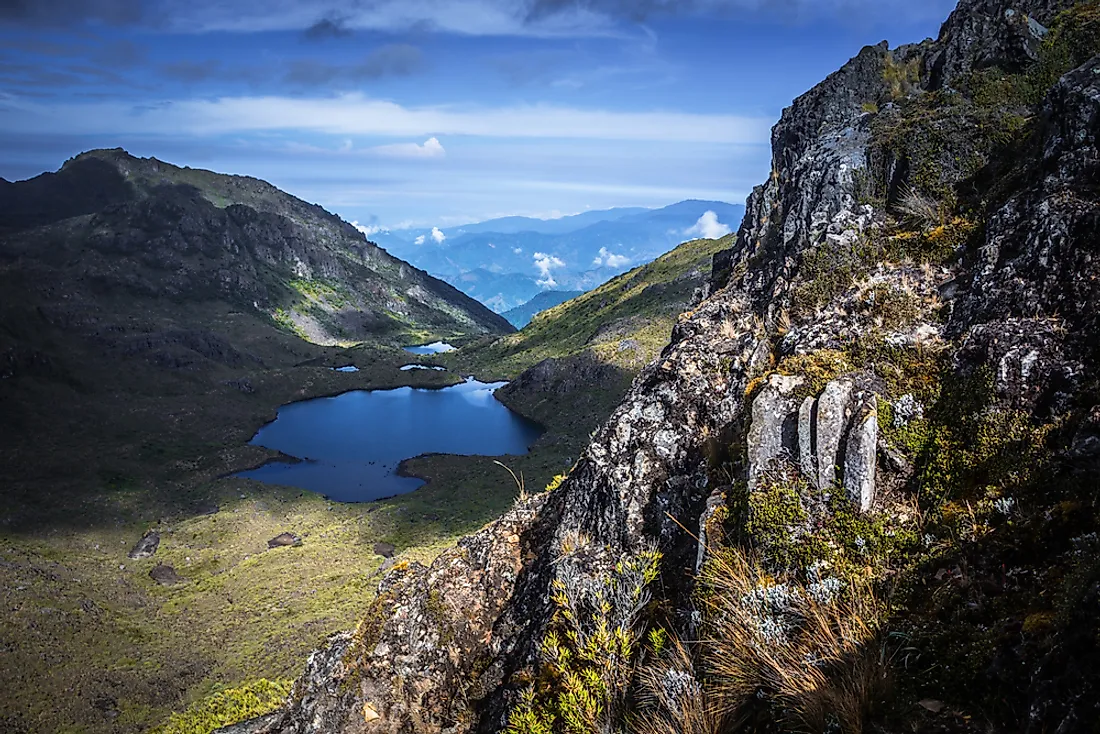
x=352, y=444
x=433, y=348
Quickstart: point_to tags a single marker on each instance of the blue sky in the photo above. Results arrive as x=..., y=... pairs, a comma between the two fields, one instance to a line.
x=433, y=112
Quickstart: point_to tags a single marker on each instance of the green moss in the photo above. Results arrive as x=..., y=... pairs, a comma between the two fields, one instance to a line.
x=229, y=706
x=817, y=368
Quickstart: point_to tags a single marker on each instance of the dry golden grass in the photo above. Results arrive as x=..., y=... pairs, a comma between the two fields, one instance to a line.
x=815, y=657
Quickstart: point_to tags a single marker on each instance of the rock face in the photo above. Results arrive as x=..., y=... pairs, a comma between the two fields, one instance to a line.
x=452, y=647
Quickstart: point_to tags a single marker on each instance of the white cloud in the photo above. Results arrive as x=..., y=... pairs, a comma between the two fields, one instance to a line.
x=438, y=236
x=431, y=148
x=545, y=263
x=356, y=114
x=708, y=227
x=517, y=250
x=367, y=230
x=610, y=259
x=419, y=240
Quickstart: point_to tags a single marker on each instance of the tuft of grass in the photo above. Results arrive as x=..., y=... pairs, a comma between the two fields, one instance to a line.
x=812, y=659
x=229, y=706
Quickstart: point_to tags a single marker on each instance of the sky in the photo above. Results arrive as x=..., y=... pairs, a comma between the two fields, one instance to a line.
x=422, y=113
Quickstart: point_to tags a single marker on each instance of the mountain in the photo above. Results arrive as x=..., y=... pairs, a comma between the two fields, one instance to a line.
x=858, y=489
x=504, y=269
x=561, y=225
x=520, y=316
x=144, y=229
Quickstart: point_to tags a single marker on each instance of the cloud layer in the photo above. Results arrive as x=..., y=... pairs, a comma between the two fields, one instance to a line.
x=708, y=227
x=321, y=19
x=545, y=263
x=357, y=114
x=606, y=258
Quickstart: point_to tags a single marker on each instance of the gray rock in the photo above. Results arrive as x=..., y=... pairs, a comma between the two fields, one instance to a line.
x=807, y=462
x=165, y=575
x=773, y=433
x=284, y=539
x=833, y=415
x=860, y=453
x=147, y=546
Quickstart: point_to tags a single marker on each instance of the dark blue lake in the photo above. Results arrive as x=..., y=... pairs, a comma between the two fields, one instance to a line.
x=433, y=348
x=351, y=444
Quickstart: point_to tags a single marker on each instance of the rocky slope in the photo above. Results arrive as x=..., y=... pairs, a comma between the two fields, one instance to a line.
x=863, y=475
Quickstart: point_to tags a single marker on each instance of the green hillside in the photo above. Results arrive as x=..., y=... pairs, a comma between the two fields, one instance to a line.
x=626, y=322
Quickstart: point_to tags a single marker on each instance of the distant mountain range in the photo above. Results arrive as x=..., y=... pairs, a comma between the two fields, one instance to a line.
x=520, y=316
x=505, y=262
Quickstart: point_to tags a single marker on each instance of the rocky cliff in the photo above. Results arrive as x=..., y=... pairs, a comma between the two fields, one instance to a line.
x=858, y=490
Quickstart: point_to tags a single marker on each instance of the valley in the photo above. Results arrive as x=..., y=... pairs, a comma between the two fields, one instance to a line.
x=128, y=410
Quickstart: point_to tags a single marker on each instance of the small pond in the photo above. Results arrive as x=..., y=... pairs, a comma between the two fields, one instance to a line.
x=348, y=368
x=409, y=367
x=433, y=348
x=352, y=444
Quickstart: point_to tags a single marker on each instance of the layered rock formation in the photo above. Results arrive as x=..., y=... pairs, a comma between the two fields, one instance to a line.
x=893, y=341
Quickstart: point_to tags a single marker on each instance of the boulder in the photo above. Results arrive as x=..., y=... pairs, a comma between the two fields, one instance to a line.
x=147, y=546
x=284, y=539
x=165, y=575
x=386, y=550
x=833, y=414
x=860, y=453
x=774, y=428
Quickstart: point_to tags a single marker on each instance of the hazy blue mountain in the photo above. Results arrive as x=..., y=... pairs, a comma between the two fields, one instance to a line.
x=504, y=268
x=520, y=316
x=512, y=225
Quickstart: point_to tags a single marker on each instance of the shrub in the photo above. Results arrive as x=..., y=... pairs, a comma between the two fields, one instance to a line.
x=589, y=654
x=229, y=706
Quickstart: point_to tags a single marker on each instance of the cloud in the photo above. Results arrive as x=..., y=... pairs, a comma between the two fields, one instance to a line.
x=545, y=263
x=431, y=148
x=394, y=59
x=545, y=18
x=367, y=230
x=419, y=240
x=610, y=259
x=356, y=114
x=124, y=54
x=517, y=250
x=59, y=13
x=438, y=235
x=708, y=227
x=191, y=71
x=325, y=29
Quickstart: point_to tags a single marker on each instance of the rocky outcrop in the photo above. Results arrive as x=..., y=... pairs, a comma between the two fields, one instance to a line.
x=764, y=383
